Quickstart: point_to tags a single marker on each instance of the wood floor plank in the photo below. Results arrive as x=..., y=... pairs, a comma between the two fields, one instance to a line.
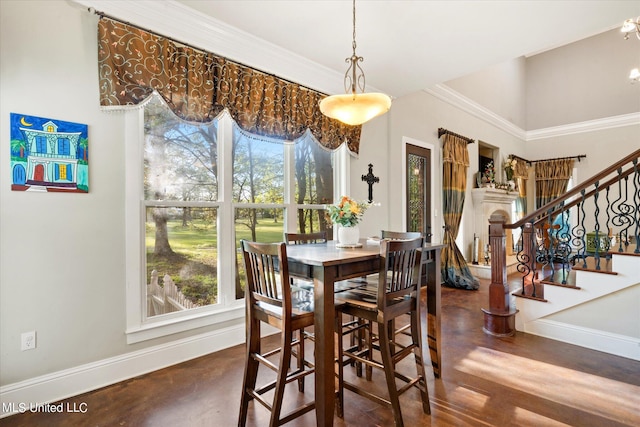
x=524, y=380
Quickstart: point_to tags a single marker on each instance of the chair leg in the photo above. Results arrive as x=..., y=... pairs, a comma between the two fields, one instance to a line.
x=281, y=380
x=300, y=358
x=416, y=338
x=340, y=392
x=250, y=369
x=389, y=371
x=369, y=343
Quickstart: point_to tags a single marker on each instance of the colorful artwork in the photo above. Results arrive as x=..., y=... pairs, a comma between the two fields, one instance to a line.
x=48, y=155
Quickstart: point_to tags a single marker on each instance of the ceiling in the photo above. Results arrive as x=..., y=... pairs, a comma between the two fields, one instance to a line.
x=411, y=45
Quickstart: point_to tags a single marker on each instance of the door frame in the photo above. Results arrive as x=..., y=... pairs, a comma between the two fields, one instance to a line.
x=406, y=140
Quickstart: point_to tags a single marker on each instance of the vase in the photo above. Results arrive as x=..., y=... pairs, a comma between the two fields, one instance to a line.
x=348, y=235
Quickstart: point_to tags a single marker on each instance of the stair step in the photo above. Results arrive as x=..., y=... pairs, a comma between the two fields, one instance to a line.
x=590, y=264
x=566, y=277
x=528, y=289
x=519, y=295
x=629, y=250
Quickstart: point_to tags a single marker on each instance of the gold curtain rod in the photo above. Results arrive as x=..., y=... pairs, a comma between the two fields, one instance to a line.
x=580, y=156
x=442, y=131
x=104, y=15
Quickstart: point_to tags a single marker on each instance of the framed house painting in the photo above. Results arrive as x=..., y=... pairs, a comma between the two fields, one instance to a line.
x=48, y=155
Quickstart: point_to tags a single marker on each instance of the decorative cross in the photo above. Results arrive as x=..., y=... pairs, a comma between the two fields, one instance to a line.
x=370, y=179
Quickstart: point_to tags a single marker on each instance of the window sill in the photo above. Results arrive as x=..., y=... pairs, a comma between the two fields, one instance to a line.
x=164, y=325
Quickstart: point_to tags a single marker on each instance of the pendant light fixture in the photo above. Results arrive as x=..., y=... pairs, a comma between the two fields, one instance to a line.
x=355, y=108
x=632, y=26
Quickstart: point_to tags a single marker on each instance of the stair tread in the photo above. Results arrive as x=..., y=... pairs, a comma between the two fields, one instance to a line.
x=590, y=264
x=629, y=250
x=520, y=295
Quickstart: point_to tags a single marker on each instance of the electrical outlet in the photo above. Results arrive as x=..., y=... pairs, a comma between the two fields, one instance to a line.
x=28, y=341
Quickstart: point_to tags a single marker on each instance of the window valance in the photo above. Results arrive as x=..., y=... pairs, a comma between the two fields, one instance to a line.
x=197, y=85
x=454, y=150
x=555, y=169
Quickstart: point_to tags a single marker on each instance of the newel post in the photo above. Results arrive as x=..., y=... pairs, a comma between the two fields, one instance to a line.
x=499, y=319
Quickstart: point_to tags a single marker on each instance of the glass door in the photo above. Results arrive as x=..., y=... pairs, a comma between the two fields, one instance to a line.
x=418, y=166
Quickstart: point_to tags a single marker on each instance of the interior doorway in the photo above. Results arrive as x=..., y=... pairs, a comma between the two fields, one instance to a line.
x=418, y=190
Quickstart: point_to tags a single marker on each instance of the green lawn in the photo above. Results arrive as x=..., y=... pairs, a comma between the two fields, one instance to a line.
x=193, y=266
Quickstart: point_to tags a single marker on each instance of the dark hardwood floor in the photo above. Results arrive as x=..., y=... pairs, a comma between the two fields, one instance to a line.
x=522, y=380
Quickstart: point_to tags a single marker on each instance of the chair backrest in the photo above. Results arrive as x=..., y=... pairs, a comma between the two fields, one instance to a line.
x=267, y=273
x=400, y=235
x=399, y=270
x=304, y=238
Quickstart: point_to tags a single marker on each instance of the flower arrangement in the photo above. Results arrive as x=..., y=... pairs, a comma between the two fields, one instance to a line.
x=509, y=167
x=490, y=172
x=348, y=212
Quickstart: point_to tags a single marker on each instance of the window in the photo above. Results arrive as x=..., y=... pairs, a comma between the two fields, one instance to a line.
x=41, y=145
x=64, y=147
x=202, y=188
x=61, y=172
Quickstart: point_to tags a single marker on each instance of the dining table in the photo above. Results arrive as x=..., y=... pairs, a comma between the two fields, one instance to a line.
x=326, y=264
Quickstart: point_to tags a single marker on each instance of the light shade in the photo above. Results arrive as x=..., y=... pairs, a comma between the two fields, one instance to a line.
x=635, y=74
x=628, y=26
x=355, y=109
x=631, y=26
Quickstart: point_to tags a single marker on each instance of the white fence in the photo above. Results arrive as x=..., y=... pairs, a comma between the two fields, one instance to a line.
x=166, y=298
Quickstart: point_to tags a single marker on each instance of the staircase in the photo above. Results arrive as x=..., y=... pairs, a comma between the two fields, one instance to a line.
x=578, y=264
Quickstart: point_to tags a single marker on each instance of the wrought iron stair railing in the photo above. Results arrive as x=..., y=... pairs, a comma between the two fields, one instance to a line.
x=578, y=230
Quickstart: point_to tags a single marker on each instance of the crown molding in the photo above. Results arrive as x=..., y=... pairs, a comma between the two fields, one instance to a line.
x=630, y=119
x=456, y=99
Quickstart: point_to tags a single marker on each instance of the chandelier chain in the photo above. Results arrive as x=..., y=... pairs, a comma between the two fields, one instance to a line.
x=353, y=44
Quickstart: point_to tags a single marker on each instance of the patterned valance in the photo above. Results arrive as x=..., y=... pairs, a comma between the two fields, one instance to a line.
x=197, y=85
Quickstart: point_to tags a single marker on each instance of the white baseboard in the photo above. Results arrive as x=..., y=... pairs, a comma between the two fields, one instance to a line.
x=81, y=379
x=620, y=345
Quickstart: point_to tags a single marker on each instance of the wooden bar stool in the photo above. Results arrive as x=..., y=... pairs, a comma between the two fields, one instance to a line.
x=269, y=299
x=395, y=294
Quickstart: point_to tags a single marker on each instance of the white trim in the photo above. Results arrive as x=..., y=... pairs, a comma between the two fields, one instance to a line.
x=341, y=176
x=456, y=99
x=607, y=342
x=138, y=326
x=630, y=119
x=71, y=382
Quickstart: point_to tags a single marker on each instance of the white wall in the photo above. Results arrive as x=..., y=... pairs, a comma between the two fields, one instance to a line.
x=582, y=81
x=62, y=263
x=500, y=88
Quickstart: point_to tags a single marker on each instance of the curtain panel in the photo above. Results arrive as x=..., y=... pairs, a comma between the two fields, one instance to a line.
x=197, y=85
x=521, y=174
x=455, y=271
x=552, y=178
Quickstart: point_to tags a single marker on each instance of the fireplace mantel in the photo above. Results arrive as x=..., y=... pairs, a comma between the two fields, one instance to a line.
x=493, y=195
x=487, y=201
